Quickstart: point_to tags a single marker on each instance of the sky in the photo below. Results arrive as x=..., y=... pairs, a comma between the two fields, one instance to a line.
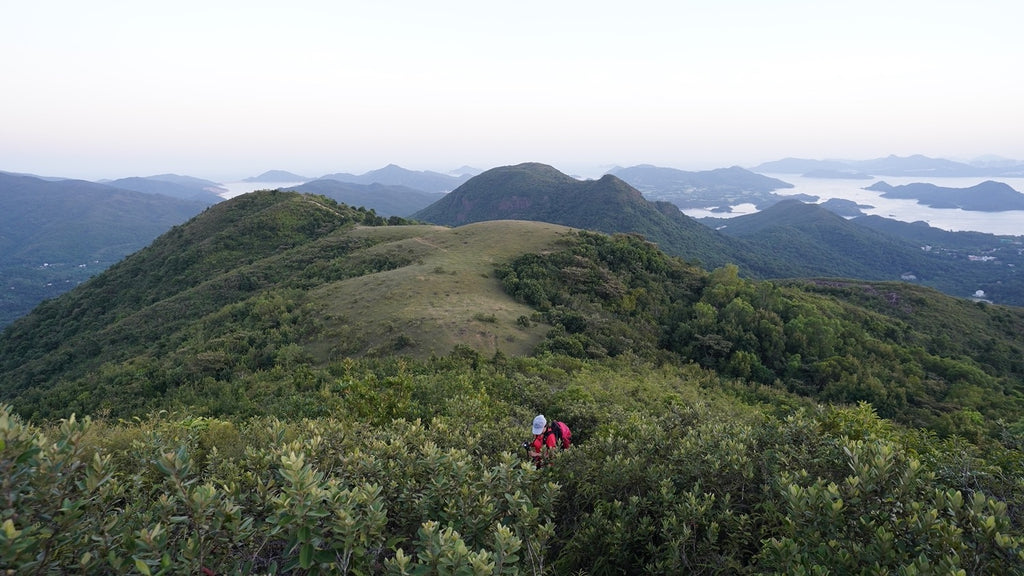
x=224, y=89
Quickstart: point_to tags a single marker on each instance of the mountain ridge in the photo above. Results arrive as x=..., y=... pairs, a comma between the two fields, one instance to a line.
x=892, y=165
x=58, y=233
x=392, y=174
x=184, y=187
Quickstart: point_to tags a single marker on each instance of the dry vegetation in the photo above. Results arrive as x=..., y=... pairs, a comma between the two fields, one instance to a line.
x=448, y=297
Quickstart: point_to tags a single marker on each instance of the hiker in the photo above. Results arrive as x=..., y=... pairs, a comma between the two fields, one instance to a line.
x=546, y=436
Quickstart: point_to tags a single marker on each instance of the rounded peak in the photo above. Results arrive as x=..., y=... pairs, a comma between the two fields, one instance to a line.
x=528, y=167
x=529, y=171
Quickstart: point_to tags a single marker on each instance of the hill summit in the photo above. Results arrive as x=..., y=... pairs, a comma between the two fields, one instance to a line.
x=534, y=191
x=530, y=191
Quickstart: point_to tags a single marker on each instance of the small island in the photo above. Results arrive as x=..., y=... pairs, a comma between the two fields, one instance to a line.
x=989, y=196
x=845, y=208
x=277, y=176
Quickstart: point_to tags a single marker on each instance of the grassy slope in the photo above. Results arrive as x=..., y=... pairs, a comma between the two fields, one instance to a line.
x=447, y=297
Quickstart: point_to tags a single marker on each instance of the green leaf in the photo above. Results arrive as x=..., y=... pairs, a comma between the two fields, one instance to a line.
x=26, y=455
x=306, y=556
x=142, y=567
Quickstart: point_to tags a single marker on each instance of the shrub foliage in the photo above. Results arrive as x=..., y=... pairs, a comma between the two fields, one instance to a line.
x=669, y=474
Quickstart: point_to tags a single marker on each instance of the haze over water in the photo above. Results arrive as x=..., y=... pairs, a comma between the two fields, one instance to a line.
x=239, y=188
x=1010, y=222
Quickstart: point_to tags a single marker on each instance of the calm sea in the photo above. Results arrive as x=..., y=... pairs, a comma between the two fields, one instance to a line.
x=1010, y=222
x=239, y=188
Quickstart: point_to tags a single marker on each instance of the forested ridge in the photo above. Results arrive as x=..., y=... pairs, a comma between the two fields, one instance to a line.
x=720, y=425
x=916, y=356
x=57, y=234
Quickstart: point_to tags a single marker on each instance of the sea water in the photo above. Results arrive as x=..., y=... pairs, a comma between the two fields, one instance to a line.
x=1009, y=222
x=239, y=188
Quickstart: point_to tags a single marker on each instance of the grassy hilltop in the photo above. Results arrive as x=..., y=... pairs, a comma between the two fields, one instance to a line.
x=446, y=297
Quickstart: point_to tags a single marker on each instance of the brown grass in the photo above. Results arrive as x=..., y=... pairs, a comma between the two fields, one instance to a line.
x=448, y=297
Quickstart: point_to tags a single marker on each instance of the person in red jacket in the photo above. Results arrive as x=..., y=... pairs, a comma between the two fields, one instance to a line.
x=546, y=437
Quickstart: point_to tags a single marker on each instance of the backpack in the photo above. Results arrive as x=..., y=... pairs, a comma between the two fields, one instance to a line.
x=563, y=435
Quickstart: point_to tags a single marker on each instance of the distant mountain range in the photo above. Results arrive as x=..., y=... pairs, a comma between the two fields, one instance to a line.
x=838, y=174
x=988, y=196
x=46, y=178
x=55, y=234
x=173, y=185
x=721, y=187
x=916, y=165
x=385, y=200
x=393, y=175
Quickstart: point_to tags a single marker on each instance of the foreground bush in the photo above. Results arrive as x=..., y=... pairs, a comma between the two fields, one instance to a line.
x=680, y=493
x=669, y=474
x=314, y=497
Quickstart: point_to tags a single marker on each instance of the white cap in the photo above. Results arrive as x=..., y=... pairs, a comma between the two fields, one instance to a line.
x=539, y=423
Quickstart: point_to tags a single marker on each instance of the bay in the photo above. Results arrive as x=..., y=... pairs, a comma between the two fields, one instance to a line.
x=1009, y=222
x=239, y=188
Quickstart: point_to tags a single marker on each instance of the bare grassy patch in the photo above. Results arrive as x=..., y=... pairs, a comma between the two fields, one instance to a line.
x=447, y=297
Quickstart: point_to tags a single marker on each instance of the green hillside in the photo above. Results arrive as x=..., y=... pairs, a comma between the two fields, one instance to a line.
x=446, y=296
x=288, y=385
x=918, y=357
x=54, y=235
x=808, y=240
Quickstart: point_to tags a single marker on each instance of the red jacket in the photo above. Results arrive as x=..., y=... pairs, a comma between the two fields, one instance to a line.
x=542, y=439
x=550, y=439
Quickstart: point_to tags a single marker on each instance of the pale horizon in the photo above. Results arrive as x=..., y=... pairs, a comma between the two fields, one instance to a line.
x=229, y=90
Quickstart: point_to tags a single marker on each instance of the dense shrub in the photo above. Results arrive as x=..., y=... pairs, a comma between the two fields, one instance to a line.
x=668, y=474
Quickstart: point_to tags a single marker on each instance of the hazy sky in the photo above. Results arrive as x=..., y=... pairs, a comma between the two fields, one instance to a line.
x=225, y=90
